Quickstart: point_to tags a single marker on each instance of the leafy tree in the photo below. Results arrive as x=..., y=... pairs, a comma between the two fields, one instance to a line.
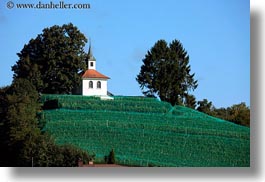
x=71, y=155
x=53, y=60
x=221, y=113
x=166, y=72
x=239, y=114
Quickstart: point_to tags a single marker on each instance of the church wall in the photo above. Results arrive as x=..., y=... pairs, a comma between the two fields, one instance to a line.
x=94, y=91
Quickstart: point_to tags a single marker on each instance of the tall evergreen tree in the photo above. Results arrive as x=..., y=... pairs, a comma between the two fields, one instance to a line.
x=53, y=60
x=166, y=73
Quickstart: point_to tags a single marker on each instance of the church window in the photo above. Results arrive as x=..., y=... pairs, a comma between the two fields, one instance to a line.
x=91, y=64
x=90, y=84
x=98, y=84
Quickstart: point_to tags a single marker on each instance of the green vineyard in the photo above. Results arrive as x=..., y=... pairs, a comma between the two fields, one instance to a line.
x=146, y=132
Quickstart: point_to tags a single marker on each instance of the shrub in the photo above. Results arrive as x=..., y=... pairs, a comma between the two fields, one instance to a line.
x=51, y=104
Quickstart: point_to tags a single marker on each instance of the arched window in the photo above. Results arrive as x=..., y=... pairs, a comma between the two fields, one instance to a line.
x=90, y=84
x=98, y=84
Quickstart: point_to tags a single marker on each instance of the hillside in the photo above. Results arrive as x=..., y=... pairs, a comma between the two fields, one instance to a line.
x=146, y=132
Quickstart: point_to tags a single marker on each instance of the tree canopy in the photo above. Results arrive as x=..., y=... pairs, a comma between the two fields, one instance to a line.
x=237, y=113
x=166, y=73
x=53, y=60
x=22, y=142
x=205, y=106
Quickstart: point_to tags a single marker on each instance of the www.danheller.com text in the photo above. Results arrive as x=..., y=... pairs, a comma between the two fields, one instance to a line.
x=48, y=5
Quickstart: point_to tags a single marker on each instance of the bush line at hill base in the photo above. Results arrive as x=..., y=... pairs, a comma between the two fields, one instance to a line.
x=146, y=132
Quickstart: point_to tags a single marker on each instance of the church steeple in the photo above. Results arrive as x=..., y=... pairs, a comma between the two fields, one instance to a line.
x=91, y=59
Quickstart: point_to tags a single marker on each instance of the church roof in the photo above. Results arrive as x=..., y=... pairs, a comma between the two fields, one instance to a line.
x=94, y=74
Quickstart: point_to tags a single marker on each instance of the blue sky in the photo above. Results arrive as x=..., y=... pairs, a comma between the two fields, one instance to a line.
x=215, y=33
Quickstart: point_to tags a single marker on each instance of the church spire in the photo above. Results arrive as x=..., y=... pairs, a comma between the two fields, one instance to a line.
x=91, y=58
x=90, y=54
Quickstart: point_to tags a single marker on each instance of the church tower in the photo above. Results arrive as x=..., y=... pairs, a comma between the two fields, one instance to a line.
x=91, y=59
x=93, y=82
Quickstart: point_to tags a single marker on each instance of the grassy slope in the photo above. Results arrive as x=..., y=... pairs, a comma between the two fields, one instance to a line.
x=147, y=132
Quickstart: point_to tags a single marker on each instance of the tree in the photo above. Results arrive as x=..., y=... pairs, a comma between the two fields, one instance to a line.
x=53, y=60
x=3, y=127
x=205, y=106
x=166, y=73
x=221, y=113
x=21, y=141
x=239, y=114
x=190, y=101
x=20, y=122
x=71, y=155
x=110, y=159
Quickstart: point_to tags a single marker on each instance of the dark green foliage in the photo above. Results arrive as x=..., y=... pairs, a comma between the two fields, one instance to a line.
x=205, y=106
x=53, y=60
x=21, y=141
x=166, y=72
x=40, y=120
x=51, y=104
x=20, y=126
x=51, y=155
x=71, y=156
x=190, y=101
x=22, y=108
x=44, y=153
x=237, y=113
x=111, y=158
x=4, y=153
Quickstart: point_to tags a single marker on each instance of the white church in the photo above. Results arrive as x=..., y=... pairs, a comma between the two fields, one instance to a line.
x=93, y=82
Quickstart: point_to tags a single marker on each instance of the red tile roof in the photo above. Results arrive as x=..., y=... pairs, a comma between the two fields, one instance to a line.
x=94, y=74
